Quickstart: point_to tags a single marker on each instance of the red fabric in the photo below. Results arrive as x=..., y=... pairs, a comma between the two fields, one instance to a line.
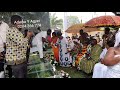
x=54, y=40
x=55, y=49
x=104, y=21
x=49, y=39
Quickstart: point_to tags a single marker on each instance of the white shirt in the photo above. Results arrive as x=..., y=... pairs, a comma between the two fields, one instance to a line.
x=117, y=38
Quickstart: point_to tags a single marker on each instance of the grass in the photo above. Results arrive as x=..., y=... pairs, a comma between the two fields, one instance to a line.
x=74, y=73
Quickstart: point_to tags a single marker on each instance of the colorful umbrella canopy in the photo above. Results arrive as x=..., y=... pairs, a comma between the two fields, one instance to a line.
x=103, y=21
x=77, y=27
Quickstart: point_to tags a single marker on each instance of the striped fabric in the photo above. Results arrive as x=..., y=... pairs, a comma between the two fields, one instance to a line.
x=88, y=65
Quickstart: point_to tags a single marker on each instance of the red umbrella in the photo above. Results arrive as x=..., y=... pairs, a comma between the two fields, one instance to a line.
x=103, y=21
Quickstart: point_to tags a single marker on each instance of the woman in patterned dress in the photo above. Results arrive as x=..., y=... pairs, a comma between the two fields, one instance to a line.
x=64, y=54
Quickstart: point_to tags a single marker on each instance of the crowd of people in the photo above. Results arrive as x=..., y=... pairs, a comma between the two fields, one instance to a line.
x=91, y=54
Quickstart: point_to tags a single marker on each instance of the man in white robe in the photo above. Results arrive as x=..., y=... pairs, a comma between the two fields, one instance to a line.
x=38, y=44
x=100, y=69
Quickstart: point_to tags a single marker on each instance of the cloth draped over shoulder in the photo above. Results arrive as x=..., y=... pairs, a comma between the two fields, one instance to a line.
x=88, y=65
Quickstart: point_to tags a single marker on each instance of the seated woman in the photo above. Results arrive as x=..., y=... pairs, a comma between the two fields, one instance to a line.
x=87, y=63
x=112, y=60
x=99, y=68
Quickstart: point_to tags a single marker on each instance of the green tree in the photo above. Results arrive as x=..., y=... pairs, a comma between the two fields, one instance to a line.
x=71, y=20
x=55, y=22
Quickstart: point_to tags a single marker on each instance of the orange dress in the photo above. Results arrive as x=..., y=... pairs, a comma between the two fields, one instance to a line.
x=55, y=48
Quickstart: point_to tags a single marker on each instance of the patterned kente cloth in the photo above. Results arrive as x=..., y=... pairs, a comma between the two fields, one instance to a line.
x=88, y=65
x=16, y=46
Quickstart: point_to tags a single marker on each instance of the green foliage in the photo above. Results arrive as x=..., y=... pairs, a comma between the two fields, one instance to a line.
x=71, y=20
x=55, y=22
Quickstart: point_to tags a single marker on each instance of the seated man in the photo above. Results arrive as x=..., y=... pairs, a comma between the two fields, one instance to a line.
x=99, y=68
x=82, y=51
x=87, y=63
x=76, y=51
